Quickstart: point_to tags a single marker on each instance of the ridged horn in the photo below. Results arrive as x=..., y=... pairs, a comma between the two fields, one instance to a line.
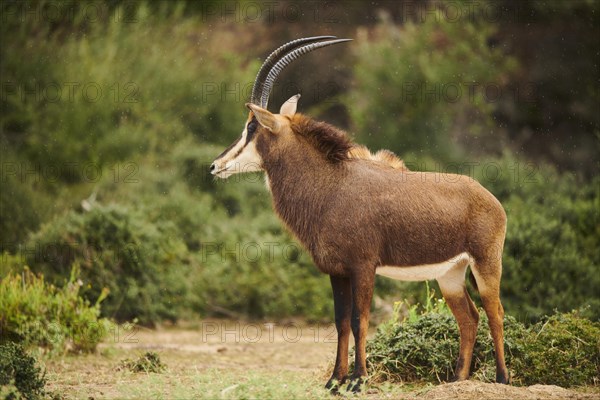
x=285, y=61
x=257, y=89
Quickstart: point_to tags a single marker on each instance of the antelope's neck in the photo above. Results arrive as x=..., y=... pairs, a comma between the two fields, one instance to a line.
x=303, y=188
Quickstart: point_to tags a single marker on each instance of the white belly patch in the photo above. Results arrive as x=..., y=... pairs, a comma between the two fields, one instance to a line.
x=424, y=272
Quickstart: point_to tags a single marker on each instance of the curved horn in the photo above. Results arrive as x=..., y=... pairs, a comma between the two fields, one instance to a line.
x=285, y=61
x=273, y=58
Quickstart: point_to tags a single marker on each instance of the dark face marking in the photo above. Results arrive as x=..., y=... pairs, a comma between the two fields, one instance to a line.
x=228, y=148
x=250, y=131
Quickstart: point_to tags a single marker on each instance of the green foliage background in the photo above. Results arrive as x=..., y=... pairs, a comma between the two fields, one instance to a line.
x=117, y=183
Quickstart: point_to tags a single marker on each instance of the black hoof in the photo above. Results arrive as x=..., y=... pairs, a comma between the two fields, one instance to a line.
x=334, y=384
x=355, y=385
x=503, y=378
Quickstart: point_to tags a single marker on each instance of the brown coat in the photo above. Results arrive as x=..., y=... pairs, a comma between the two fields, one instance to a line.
x=354, y=211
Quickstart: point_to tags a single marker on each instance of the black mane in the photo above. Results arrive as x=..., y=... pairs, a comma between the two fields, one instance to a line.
x=327, y=139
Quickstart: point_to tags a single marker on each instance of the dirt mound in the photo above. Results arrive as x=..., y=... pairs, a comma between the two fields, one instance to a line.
x=473, y=390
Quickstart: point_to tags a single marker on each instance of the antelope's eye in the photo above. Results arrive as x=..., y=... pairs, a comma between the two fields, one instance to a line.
x=251, y=129
x=252, y=126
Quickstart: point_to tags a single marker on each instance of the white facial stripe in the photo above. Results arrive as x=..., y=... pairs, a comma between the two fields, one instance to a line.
x=247, y=161
x=241, y=158
x=239, y=146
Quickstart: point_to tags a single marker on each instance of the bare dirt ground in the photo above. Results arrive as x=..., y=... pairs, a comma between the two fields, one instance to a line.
x=472, y=390
x=224, y=359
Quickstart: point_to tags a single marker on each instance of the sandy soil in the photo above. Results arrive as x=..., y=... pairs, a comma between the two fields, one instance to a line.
x=473, y=390
x=242, y=345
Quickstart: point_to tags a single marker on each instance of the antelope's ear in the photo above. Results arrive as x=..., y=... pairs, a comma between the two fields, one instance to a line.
x=264, y=117
x=289, y=107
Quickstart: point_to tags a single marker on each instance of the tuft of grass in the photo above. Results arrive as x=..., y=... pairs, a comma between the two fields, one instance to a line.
x=148, y=362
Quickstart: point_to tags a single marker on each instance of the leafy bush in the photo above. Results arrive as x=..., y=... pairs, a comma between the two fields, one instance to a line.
x=419, y=88
x=35, y=313
x=252, y=272
x=564, y=349
x=143, y=265
x=556, y=237
x=19, y=373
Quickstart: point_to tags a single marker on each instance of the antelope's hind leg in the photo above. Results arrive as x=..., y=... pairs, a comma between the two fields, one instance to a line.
x=454, y=290
x=342, y=302
x=487, y=274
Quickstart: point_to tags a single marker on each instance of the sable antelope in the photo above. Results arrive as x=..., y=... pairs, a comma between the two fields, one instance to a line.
x=360, y=214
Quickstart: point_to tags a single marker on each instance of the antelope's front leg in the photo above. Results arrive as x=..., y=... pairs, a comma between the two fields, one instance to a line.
x=362, y=293
x=342, y=302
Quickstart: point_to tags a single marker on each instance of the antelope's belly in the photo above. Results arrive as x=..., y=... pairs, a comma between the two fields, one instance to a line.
x=425, y=272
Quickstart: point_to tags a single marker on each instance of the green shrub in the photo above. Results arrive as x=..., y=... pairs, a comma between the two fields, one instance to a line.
x=420, y=88
x=19, y=374
x=35, y=313
x=255, y=273
x=142, y=264
x=562, y=350
x=550, y=260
